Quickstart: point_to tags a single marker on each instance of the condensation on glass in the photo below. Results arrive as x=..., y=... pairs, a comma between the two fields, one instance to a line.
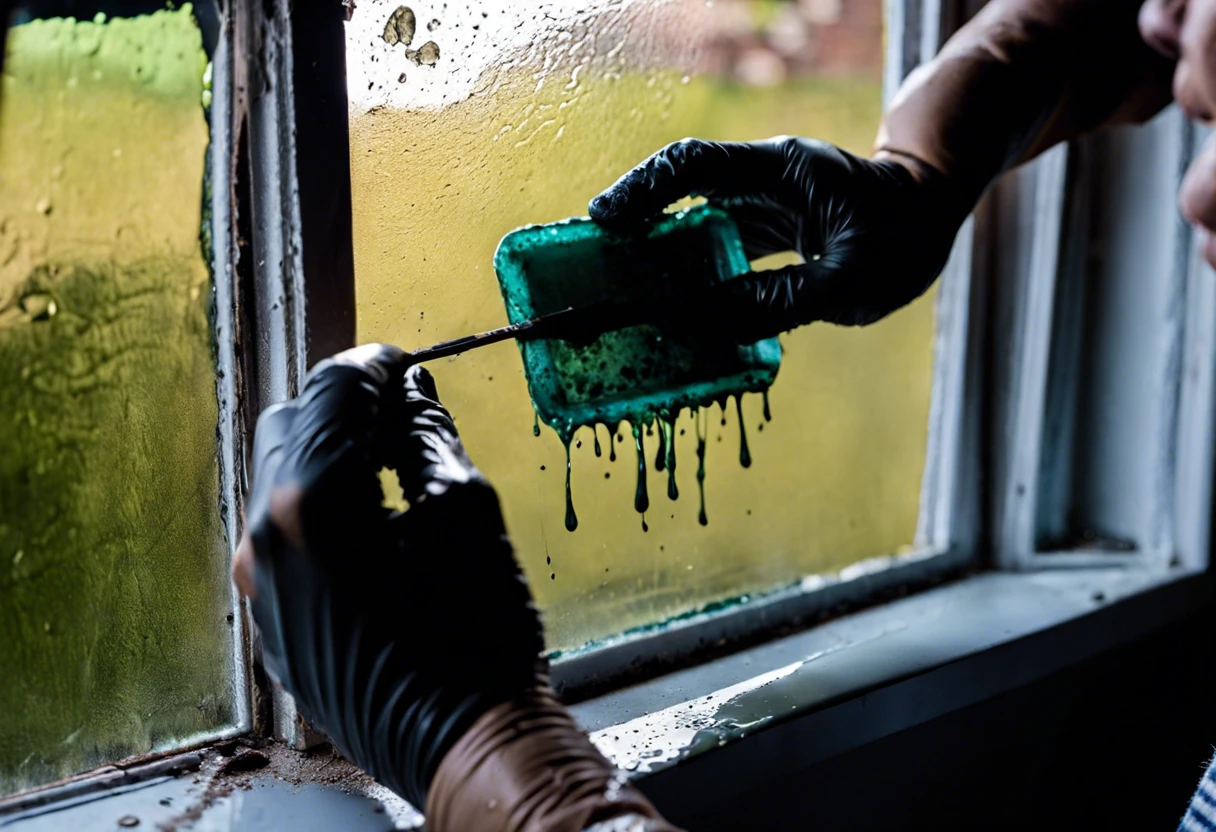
x=115, y=638
x=497, y=114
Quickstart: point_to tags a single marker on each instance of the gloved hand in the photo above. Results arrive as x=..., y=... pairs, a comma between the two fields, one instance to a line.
x=410, y=638
x=394, y=631
x=874, y=235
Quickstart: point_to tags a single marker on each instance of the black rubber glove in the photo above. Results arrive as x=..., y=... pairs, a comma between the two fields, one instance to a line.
x=394, y=631
x=874, y=234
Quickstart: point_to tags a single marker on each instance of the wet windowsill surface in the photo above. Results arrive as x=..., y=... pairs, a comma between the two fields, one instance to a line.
x=724, y=725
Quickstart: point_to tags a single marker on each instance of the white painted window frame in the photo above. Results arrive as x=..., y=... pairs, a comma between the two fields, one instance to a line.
x=752, y=717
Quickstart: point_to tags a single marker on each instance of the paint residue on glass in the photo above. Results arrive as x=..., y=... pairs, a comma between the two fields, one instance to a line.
x=664, y=427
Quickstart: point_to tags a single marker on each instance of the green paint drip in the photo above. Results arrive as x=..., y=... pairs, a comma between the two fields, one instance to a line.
x=665, y=457
x=641, y=499
x=535, y=423
x=673, y=491
x=768, y=414
x=571, y=517
x=702, y=517
x=660, y=457
x=745, y=454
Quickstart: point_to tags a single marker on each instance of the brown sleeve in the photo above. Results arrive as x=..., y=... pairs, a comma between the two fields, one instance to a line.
x=525, y=766
x=1024, y=75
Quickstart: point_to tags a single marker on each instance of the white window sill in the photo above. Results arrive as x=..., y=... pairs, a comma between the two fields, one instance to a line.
x=798, y=700
x=835, y=687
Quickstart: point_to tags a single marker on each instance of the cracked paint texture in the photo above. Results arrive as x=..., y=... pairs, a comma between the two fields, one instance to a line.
x=114, y=635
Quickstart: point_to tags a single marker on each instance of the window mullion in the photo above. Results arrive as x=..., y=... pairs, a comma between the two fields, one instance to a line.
x=301, y=288
x=1035, y=232
x=224, y=259
x=1192, y=501
x=949, y=511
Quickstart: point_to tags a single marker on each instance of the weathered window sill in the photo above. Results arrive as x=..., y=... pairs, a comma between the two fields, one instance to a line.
x=718, y=728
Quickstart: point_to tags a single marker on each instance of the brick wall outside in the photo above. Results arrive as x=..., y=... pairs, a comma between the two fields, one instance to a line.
x=766, y=43
x=854, y=44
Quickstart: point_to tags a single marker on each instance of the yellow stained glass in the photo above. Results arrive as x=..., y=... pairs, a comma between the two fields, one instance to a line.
x=115, y=637
x=499, y=114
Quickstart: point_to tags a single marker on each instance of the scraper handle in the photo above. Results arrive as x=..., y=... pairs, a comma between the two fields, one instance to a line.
x=580, y=325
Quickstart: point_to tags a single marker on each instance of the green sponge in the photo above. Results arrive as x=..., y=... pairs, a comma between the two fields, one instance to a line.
x=637, y=374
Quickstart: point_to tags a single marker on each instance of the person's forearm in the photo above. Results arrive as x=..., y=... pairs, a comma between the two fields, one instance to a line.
x=1022, y=76
x=525, y=766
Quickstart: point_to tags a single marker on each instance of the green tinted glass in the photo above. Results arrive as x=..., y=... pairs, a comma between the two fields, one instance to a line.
x=115, y=634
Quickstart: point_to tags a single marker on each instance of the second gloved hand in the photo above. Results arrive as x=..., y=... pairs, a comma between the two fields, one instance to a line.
x=394, y=631
x=410, y=637
x=874, y=234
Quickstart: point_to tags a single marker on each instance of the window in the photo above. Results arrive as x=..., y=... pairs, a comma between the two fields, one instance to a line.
x=196, y=206
x=489, y=116
x=117, y=631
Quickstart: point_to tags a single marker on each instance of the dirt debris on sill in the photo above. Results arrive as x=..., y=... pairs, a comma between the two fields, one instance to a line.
x=237, y=764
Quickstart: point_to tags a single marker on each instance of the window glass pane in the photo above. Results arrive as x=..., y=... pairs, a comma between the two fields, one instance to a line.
x=115, y=637
x=517, y=113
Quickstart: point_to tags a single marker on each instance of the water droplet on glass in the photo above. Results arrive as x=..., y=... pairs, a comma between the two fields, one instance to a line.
x=428, y=53
x=39, y=306
x=400, y=27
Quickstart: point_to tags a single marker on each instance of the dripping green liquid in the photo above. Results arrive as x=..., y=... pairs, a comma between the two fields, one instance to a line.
x=641, y=499
x=745, y=454
x=669, y=428
x=571, y=517
x=702, y=517
x=660, y=457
